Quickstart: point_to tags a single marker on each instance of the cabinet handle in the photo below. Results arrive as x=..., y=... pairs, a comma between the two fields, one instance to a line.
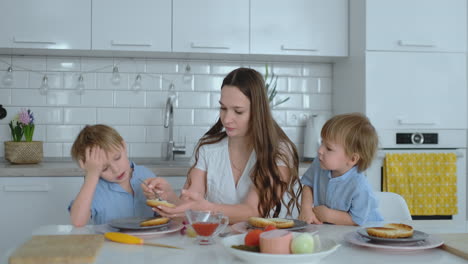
x=195, y=46
x=405, y=122
x=283, y=47
x=415, y=44
x=26, y=188
x=15, y=40
x=116, y=43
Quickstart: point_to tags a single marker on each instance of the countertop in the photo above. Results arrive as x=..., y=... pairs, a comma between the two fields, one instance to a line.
x=65, y=167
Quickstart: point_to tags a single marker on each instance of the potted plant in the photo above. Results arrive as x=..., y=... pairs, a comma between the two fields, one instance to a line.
x=270, y=85
x=27, y=151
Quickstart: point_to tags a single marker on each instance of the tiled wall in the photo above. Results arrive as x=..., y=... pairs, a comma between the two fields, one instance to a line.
x=138, y=116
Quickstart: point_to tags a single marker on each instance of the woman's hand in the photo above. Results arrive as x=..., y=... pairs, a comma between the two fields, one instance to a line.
x=189, y=200
x=159, y=185
x=309, y=217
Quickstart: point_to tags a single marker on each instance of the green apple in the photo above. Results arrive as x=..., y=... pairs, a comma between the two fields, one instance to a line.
x=302, y=244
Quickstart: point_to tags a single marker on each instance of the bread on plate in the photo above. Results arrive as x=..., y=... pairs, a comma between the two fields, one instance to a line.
x=158, y=202
x=277, y=222
x=392, y=230
x=155, y=221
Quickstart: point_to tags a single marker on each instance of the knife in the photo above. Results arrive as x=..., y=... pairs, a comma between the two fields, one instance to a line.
x=155, y=193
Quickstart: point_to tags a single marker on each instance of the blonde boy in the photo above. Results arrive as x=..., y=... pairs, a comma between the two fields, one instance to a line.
x=112, y=187
x=335, y=189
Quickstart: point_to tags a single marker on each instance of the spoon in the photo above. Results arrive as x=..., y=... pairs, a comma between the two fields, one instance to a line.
x=129, y=239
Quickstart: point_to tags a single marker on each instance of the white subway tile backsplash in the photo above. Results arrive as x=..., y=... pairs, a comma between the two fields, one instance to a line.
x=145, y=150
x=146, y=117
x=183, y=116
x=27, y=97
x=205, y=116
x=62, y=112
x=161, y=66
x=317, y=70
x=61, y=97
x=62, y=133
x=130, y=99
x=132, y=134
x=53, y=150
x=111, y=116
x=47, y=115
x=193, y=100
x=35, y=63
x=77, y=116
x=63, y=64
x=97, y=98
x=208, y=82
x=224, y=68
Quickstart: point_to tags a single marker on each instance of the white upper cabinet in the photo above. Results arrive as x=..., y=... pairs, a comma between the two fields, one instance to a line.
x=416, y=90
x=416, y=25
x=139, y=25
x=46, y=24
x=299, y=27
x=211, y=26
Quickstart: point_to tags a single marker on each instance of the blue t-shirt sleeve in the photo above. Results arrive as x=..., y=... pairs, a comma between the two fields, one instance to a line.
x=308, y=177
x=364, y=206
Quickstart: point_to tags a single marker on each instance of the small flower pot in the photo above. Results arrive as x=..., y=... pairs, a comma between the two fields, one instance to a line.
x=24, y=152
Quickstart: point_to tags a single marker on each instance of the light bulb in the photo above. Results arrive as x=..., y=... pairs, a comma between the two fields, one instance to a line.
x=44, y=85
x=8, y=78
x=187, y=73
x=115, y=75
x=137, y=84
x=80, y=85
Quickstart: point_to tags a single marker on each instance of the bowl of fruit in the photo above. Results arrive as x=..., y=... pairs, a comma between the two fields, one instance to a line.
x=279, y=246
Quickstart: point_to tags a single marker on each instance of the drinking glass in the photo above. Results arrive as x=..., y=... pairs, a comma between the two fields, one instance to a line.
x=207, y=224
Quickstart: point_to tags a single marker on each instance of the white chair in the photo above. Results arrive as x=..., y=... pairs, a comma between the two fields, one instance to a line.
x=393, y=207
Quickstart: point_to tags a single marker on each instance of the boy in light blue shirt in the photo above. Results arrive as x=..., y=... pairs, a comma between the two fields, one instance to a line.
x=335, y=189
x=112, y=184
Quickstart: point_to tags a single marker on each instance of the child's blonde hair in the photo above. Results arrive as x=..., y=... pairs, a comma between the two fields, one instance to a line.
x=357, y=135
x=99, y=135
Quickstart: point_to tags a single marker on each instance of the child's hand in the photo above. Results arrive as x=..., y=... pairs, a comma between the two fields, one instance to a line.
x=322, y=212
x=95, y=160
x=309, y=217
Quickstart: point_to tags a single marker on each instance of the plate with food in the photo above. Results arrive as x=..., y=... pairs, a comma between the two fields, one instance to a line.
x=416, y=236
x=261, y=223
x=279, y=246
x=431, y=242
x=140, y=223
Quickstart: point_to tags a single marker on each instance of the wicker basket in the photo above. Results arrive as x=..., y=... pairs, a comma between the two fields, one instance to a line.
x=23, y=152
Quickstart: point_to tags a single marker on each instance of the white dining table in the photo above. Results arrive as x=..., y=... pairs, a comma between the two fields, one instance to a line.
x=116, y=253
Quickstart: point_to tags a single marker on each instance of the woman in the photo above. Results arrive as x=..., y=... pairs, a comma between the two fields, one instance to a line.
x=244, y=165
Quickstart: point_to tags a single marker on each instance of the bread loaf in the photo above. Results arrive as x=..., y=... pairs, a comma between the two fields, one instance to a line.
x=155, y=221
x=277, y=222
x=391, y=231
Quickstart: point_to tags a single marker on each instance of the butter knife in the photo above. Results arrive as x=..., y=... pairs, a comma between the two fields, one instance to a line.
x=155, y=193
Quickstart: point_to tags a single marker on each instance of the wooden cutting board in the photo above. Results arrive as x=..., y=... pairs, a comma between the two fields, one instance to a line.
x=456, y=244
x=68, y=249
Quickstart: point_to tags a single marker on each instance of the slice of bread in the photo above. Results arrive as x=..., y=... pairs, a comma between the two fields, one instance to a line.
x=155, y=221
x=277, y=222
x=391, y=231
x=157, y=202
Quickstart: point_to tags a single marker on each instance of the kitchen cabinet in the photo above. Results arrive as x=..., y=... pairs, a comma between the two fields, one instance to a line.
x=299, y=27
x=404, y=87
x=47, y=24
x=140, y=25
x=417, y=25
x=30, y=202
x=211, y=26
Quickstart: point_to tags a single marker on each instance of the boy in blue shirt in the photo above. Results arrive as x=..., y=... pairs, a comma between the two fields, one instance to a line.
x=335, y=189
x=112, y=184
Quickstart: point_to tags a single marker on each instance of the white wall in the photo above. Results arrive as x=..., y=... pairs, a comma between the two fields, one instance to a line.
x=139, y=116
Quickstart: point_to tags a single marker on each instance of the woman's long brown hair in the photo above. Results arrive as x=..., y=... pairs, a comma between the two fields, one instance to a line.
x=270, y=143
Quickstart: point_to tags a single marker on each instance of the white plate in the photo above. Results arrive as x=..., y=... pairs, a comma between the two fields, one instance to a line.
x=244, y=227
x=417, y=236
x=172, y=227
x=325, y=246
x=431, y=242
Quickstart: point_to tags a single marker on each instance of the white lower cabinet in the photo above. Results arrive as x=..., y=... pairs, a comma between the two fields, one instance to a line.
x=30, y=202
